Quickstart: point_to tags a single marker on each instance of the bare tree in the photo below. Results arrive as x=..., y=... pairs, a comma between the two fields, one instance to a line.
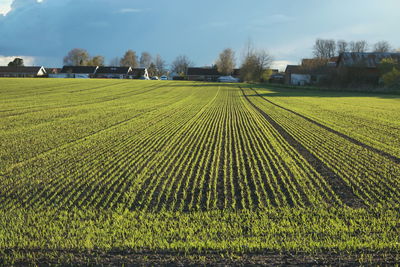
x=359, y=46
x=382, y=46
x=96, y=61
x=254, y=65
x=77, y=57
x=152, y=69
x=226, y=61
x=248, y=49
x=324, y=48
x=181, y=64
x=342, y=46
x=115, y=62
x=129, y=59
x=264, y=60
x=145, y=60
x=160, y=65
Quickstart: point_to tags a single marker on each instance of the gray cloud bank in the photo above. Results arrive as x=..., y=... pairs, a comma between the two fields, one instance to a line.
x=47, y=30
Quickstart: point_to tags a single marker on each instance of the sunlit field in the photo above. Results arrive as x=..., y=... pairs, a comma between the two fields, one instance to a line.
x=119, y=171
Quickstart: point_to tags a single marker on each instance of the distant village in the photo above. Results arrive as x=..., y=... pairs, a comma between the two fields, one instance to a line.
x=346, y=69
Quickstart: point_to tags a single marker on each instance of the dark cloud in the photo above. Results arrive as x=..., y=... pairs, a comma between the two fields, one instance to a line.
x=49, y=29
x=199, y=29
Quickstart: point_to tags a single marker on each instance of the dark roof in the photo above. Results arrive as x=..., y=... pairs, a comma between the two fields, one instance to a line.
x=53, y=70
x=137, y=72
x=236, y=73
x=28, y=69
x=203, y=71
x=312, y=62
x=369, y=60
x=293, y=69
x=113, y=70
x=79, y=69
x=209, y=72
x=277, y=75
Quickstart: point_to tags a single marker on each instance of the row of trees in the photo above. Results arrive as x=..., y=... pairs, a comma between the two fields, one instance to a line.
x=327, y=48
x=80, y=57
x=253, y=68
x=155, y=66
x=324, y=49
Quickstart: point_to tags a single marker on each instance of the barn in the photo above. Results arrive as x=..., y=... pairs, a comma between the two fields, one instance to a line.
x=207, y=74
x=295, y=75
x=363, y=67
x=202, y=74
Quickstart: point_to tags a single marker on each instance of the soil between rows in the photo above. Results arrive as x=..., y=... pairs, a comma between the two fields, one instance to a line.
x=154, y=258
x=345, y=193
x=348, y=138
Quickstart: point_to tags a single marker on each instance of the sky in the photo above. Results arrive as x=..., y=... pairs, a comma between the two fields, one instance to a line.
x=42, y=32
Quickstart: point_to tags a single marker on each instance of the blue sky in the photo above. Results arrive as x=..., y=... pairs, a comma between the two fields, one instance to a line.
x=44, y=31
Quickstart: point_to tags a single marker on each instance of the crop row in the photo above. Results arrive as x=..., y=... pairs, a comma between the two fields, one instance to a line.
x=372, y=177
x=188, y=148
x=208, y=150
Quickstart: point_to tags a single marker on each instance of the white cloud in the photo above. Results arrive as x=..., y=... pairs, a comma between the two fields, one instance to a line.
x=130, y=10
x=281, y=64
x=5, y=6
x=294, y=49
x=28, y=61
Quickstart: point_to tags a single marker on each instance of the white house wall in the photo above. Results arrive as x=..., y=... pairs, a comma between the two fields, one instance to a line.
x=300, y=79
x=59, y=75
x=146, y=74
x=82, y=76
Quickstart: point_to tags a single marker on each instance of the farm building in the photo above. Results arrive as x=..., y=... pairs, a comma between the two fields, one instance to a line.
x=51, y=71
x=236, y=73
x=364, y=60
x=138, y=73
x=113, y=72
x=295, y=75
x=202, y=74
x=83, y=72
x=54, y=72
x=22, y=72
x=362, y=67
x=277, y=78
x=311, y=71
x=207, y=74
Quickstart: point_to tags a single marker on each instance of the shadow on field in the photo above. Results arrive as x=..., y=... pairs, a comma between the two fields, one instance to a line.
x=24, y=257
x=282, y=91
x=204, y=84
x=315, y=92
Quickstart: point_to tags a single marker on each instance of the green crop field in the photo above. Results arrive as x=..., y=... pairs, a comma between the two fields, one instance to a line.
x=158, y=172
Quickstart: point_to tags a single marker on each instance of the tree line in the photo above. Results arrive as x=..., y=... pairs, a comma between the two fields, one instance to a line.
x=253, y=68
x=328, y=48
x=80, y=57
